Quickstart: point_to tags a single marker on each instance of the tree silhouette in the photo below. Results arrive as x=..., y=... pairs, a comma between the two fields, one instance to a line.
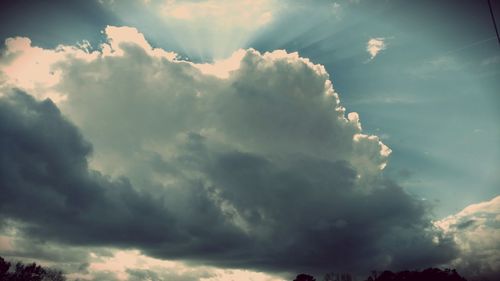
x=429, y=274
x=28, y=272
x=304, y=277
x=4, y=268
x=54, y=275
x=332, y=276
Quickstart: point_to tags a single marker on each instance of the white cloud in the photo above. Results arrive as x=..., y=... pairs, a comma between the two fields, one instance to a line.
x=375, y=46
x=38, y=71
x=336, y=10
x=35, y=69
x=222, y=68
x=242, y=65
x=119, y=37
x=476, y=230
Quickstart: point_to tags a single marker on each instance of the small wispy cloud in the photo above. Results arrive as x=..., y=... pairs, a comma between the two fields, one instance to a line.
x=336, y=9
x=490, y=61
x=429, y=68
x=375, y=46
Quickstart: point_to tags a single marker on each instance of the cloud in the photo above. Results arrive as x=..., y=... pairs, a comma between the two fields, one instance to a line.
x=248, y=163
x=242, y=13
x=211, y=29
x=98, y=263
x=203, y=30
x=490, y=61
x=46, y=167
x=375, y=46
x=44, y=163
x=428, y=69
x=476, y=230
x=336, y=10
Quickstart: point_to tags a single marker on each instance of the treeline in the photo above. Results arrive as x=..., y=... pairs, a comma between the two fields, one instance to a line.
x=32, y=272
x=429, y=274
x=28, y=272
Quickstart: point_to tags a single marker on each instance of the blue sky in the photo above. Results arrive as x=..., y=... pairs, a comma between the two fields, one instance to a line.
x=422, y=75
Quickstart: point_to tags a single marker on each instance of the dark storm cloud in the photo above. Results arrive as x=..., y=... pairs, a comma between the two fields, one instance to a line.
x=303, y=214
x=300, y=214
x=46, y=183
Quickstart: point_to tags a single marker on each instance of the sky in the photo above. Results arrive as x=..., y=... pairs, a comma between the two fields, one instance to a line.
x=249, y=140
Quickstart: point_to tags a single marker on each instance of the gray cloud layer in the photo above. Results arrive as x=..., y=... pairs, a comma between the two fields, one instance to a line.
x=46, y=182
x=257, y=170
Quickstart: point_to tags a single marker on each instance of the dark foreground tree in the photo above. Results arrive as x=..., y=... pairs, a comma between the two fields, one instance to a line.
x=53, y=275
x=28, y=272
x=430, y=274
x=4, y=268
x=304, y=277
x=333, y=276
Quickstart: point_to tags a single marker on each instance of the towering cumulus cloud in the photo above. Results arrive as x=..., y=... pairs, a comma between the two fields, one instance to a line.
x=249, y=162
